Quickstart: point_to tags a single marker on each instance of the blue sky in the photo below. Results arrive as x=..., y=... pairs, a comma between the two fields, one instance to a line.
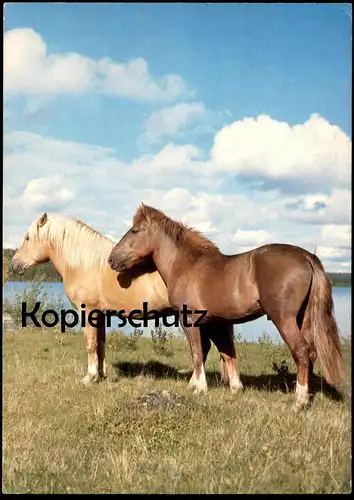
x=183, y=143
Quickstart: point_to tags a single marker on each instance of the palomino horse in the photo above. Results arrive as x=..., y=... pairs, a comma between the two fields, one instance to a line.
x=79, y=254
x=285, y=282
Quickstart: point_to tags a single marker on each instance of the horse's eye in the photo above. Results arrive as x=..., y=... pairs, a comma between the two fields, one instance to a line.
x=27, y=237
x=135, y=230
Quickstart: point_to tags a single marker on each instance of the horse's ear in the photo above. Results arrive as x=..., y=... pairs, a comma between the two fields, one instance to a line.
x=146, y=212
x=42, y=220
x=142, y=210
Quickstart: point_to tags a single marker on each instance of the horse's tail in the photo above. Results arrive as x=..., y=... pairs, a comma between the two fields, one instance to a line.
x=324, y=326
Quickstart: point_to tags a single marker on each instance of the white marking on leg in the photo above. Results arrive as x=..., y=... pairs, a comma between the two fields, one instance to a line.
x=92, y=370
x=201, y=383
x=233, y=376
x=93, y=365
x=235, y=383
x=302, y=395
x=193, y=381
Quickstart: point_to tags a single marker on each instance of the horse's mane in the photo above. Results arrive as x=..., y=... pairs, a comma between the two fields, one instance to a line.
x=82, y=246
x=186, y=237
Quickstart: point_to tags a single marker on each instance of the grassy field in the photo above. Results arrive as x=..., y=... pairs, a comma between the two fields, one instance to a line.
x=60, y=436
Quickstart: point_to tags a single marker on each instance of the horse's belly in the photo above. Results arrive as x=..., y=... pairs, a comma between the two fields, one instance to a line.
x=235, y=307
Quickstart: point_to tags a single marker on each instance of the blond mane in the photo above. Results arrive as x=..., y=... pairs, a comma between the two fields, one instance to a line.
x=186, y=237
x=82, y=246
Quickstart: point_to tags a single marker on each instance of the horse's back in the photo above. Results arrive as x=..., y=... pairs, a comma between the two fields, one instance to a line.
x=281, y=256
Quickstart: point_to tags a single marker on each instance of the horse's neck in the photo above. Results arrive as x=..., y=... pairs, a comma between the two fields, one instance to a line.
x=165, y=255
x=57, y=260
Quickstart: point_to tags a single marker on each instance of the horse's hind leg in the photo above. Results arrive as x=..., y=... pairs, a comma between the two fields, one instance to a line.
x=304, y=323
x=224, y=376
x=206, y=343
x=300, y=351
x=223, y=338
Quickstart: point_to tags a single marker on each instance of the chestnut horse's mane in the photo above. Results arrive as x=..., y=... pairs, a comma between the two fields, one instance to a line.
x=186, y=237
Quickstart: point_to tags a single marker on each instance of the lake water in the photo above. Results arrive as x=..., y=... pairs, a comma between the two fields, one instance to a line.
x=250, y=331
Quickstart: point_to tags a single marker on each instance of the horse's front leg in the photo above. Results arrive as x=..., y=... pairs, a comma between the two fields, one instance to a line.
x=95, y=344
x=193, y=334
x=101, y=345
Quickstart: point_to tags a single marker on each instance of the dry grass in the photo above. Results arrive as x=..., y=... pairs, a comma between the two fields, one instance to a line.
x=59, y=436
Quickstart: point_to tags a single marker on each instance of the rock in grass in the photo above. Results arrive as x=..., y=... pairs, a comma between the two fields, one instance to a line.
x=159, y=399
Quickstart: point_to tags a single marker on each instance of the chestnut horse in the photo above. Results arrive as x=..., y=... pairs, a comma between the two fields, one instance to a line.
x=285, y=282
x=79, y=254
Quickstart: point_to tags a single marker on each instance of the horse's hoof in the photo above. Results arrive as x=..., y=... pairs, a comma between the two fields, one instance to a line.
x=86, y=380
x=300, y=406
x=199, y=391
x=90, y=379
x=192, y=384
x=236, y=388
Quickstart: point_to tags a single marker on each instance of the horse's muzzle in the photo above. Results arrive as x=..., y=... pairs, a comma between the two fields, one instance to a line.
x=116, y=266
x=122, y=265
x=17, y=266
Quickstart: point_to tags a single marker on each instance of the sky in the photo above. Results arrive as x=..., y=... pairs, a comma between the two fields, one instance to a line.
x=233, y=118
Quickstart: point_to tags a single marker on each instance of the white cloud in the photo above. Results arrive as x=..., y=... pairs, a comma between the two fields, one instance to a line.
x=312, y=154
x=332, y=253
x=89, y=182
x=170, y=120
x=29, y=69
x=339, y=267
x=92, y=184
x=252, y=238
x=336, y=236
x=170, y=157
x=311, y=158
x=49, y=193
x=132, y=80
x=173, y=165
x=182, y=205
x=334, y=208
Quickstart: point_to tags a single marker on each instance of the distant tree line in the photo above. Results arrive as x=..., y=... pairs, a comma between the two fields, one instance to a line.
x=340, y=279
x=46, y=272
